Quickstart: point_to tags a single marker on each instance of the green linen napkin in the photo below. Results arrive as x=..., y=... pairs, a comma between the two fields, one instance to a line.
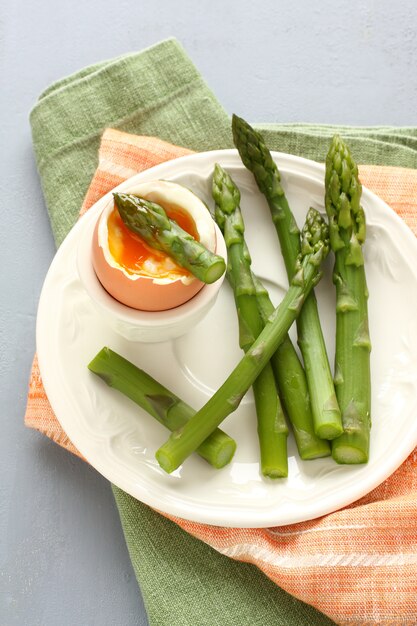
x=159, y=92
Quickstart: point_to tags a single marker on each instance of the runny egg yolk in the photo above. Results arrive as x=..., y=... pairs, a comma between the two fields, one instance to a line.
x=132, y=253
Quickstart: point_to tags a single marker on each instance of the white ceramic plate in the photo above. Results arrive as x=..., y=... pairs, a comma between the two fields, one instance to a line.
x=119, y=439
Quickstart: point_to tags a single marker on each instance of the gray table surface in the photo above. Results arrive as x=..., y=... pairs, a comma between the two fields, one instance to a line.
x=63, y=560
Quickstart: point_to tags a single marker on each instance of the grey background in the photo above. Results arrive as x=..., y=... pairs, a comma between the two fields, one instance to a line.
x=63, y=560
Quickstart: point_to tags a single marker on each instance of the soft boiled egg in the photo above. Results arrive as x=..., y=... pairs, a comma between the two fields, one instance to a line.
x=136, y=274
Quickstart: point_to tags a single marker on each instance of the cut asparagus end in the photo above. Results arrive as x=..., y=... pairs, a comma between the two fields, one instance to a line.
x=277, y=465
x=309, y=446
x=215, y=271
x=346, y=454
x=221, y=454
x=166, y=462
x=330, y=426
x=328, y=431
x=351, y=448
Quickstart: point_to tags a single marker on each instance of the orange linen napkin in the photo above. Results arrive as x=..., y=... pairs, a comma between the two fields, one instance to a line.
x=357, y=565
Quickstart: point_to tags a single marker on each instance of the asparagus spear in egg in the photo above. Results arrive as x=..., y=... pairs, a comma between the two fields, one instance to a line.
x=149, y=221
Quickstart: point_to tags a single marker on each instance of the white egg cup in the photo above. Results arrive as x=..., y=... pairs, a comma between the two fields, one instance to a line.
x=132, y=324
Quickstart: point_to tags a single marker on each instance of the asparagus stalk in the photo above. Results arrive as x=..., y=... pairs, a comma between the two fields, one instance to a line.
x=117, y=372
x=227, y=398
x=272, y=428
x=150, y=221
x=292, y=385
x=257, y=158
x=353, y=345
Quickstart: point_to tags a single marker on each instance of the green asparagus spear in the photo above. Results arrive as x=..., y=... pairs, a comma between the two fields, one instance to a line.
x=272, y=428
x=352, y=363
x=257, y=158
x=150, y=221
x=292, y=385
x=217, y=449
x=315, y=246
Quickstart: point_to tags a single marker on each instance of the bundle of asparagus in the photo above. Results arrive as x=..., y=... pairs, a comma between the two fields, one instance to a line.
x=318, y=409
x=254, y=308
x=314, y=249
